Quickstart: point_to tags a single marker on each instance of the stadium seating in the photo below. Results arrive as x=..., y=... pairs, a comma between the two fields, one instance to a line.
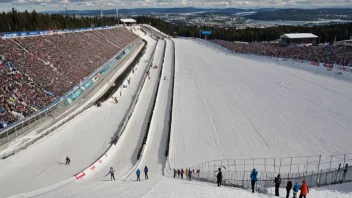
x=341, y=55
x=34, y=71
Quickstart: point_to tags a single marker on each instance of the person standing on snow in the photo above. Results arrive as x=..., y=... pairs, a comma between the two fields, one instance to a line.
x=68, y=160
x=295, y=190
x=288, y=188
x=182, y=171
x=146, y=172
x=219, y=177
x=112, y=172
x=190, y=174
x=178, y=173
x=138, y=173
x=174, y=173
x=186, y=173
x=254, y=178
x=304, y=190
x=277, y=182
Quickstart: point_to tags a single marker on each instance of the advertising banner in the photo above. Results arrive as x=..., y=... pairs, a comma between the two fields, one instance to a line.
x=43, y=32
x=205, y=32
x=87, y=84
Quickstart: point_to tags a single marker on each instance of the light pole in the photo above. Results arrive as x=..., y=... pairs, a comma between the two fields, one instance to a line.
x=66, y=18
x=117, y=17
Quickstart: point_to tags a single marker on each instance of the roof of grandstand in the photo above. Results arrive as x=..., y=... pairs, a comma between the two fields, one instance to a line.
x=299, y=35
x=128, y=20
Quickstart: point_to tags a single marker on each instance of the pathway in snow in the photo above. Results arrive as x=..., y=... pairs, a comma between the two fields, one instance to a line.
x=153, y=155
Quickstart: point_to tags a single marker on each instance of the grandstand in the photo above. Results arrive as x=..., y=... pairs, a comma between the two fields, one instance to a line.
x=39, y=69
x=332, y=55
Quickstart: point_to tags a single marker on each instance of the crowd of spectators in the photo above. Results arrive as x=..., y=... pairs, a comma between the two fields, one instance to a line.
x=341, y=55
x=36, y=70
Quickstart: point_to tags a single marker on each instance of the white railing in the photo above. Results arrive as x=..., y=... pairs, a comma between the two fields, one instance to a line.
x=317, y=170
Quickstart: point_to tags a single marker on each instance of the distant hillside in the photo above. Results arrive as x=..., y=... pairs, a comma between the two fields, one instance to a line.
x=141, y=11
x=183, y=10
x=302, y=14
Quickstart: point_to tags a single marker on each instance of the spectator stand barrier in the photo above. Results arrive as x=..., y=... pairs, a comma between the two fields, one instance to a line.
x=111, y=150
x=36, y=120
x=317, y=170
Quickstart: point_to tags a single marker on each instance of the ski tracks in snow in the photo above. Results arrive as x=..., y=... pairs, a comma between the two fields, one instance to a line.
x=210, y=115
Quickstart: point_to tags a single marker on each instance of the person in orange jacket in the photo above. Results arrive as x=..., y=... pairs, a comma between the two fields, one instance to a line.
x=304, y=190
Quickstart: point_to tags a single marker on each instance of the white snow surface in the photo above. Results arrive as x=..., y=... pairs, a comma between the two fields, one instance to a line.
x=225, y=106
x=229, y=106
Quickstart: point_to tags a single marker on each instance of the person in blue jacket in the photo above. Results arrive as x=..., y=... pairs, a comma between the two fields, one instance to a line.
x=295, y=190
x=112, y=173
x=146, y=172
x=138, y=173
x=189, y=174
x=254, y=178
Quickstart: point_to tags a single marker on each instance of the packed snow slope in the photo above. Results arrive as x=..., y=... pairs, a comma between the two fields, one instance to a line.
x=153, y=154
x=83, y=139
x=124, y=158
x=229, y=106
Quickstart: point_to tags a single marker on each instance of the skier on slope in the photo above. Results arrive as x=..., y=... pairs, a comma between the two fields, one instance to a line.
x=178, y=173
x=112, y=173
x=174, y=173
x=68, y=160
x=186, y=173
x=138, y=173
x=146, y=172
x=182, y=171
x=254, y=178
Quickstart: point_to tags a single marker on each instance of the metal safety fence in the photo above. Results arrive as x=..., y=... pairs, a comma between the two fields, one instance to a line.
x=317, y=170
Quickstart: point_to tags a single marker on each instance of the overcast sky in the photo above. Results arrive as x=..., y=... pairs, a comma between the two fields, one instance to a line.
x=41, y=5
